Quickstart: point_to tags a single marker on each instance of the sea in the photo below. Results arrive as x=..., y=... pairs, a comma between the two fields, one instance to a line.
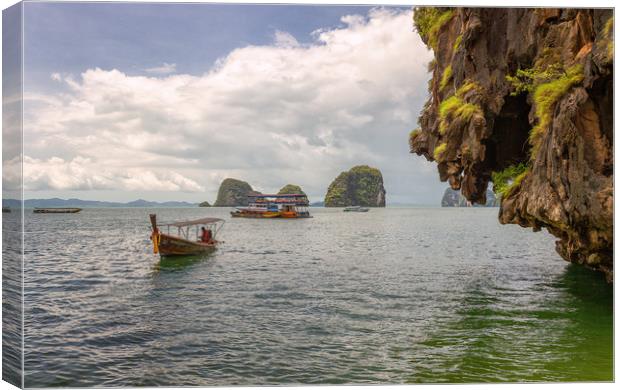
x=391, y=296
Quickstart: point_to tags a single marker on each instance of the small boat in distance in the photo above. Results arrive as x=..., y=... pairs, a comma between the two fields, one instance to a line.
x=56, y=210
x=358, y=209
x=6, y=209
x=274, y=206
x=190, y=238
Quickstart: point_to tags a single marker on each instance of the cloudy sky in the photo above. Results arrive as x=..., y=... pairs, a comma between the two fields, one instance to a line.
x=164, y=101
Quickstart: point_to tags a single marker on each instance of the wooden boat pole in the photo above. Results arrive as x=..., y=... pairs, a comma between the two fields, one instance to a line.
x=155, y=237
x=153, y=218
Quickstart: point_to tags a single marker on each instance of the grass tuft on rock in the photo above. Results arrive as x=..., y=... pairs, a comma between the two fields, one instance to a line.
x=431, y=65
x=506, y=181
x=446, y=77
x=608, y=31
x=467, y=86
x=449, y=105
x=546, y=95
x=439, y=151
x=454, y=108
x=457, y=43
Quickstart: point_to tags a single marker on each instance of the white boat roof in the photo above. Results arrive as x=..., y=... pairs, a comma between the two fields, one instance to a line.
x=202, y=221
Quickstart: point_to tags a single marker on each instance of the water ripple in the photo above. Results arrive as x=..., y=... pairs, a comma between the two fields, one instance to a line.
x=391, y=296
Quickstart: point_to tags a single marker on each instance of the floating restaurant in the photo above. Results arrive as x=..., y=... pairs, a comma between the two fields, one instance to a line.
x=274, y=206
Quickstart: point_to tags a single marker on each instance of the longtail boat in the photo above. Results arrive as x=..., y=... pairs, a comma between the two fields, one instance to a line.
x=358, y=209
x=189, y=239
x=56, y=210
x=274, y=206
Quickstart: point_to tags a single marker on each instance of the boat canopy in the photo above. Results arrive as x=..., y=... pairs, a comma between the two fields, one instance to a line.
x=287, y=199
x=202, y=221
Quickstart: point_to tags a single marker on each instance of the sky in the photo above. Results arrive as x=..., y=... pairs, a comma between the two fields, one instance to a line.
x=163, y=101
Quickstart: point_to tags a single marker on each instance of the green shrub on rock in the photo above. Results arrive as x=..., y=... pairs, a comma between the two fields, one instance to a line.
x=428, y=21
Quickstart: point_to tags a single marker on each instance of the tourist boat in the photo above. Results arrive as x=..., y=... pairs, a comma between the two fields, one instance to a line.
x=188, y=240
x=56, y=210
x=6, y=209
x=274, y=206
x=358, y=209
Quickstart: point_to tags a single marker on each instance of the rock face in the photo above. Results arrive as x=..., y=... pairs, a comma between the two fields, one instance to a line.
x=291, y=189
x=360, y=186
x=453, y=198
x=525, y=96
x=232, y=193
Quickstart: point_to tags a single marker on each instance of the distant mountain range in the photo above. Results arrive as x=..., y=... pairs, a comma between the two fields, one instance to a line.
x=57, y=202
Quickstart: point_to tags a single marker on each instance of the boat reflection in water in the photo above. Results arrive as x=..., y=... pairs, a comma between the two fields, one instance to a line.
x=274, y=206
x=172, y=263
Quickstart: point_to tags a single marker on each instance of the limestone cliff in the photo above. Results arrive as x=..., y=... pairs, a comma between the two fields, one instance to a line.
x=524, y=97
x=360, y=186
x=232, y=193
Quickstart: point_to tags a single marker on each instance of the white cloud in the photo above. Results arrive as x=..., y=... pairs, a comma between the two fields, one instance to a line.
x=82, y=173
x=56, y=77
x=163, y=69
x=284, y=39
x=267, y=114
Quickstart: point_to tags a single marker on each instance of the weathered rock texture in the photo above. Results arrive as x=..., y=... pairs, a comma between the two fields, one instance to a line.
x=360, y=186
x=558, y=121
x=453, y=198
x=232, y=193
x=291, y=189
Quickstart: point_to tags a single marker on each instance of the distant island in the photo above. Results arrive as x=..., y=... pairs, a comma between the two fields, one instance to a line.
x=360, y=186
x=233, y=192
x=57, y=202
x=454, y=198
x=291, y=189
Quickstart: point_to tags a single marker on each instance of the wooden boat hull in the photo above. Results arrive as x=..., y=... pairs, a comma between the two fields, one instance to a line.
x=269, y=214
x=56, y=210
x=175, y=246
x=355, y=209
x=266, y=214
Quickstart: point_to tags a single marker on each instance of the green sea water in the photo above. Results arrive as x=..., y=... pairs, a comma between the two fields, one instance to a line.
x=392, y=296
